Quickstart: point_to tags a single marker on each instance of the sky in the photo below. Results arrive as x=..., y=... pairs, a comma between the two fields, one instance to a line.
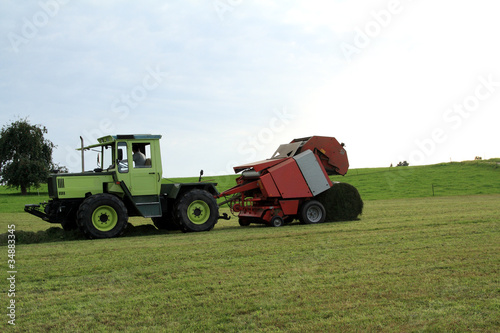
x=225, y=82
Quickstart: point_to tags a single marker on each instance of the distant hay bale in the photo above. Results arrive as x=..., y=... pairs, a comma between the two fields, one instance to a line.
x=342, y=202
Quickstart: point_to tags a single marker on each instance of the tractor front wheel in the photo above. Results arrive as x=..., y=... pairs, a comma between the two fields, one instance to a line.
x=102, y=216
x=197, y=210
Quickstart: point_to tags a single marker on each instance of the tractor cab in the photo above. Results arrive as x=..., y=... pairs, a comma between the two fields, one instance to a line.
x=134, y=161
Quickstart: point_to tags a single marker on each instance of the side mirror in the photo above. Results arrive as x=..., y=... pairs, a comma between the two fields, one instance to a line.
x=201, y=174
x=120, y=154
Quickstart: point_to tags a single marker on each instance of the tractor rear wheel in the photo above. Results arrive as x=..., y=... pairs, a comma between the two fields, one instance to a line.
x=312, y=212
x=102, y=216
x=197, y=210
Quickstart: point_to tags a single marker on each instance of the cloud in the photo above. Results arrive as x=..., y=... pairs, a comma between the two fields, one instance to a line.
x=226, y=77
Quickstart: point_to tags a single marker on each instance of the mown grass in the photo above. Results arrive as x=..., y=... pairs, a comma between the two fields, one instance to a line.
x=413, y=263
x=422, y=264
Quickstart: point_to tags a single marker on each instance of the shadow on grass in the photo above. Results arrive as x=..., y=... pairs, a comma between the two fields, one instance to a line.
x=57, y=234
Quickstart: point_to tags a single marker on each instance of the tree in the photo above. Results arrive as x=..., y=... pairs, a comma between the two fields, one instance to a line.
x=25, y=155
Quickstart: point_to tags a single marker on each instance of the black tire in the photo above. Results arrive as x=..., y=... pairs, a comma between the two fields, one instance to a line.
x=165, y=223
x=64, y=213
x=196, y=210
x=277, y=221
x=69, y=224
x=312, y=212
x=102, y=216
x=244, y=222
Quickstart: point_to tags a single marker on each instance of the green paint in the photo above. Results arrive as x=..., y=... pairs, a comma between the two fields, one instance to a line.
x=104, y=218
x=198, y=212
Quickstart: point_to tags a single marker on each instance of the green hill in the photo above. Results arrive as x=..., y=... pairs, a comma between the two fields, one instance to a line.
x=444, y=179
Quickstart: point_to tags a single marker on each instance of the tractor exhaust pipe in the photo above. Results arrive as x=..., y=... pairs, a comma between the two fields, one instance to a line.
x=83, y=158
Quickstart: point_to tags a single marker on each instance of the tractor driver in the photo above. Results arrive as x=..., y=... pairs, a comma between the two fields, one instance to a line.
x=138, y=157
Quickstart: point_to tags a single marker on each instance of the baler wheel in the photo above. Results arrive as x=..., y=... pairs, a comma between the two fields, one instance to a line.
x=244, y=222
x=312, y=212
x=277, y=221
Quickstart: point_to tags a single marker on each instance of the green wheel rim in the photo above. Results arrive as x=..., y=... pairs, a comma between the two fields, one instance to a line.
x=198, y=212
x=104, y=218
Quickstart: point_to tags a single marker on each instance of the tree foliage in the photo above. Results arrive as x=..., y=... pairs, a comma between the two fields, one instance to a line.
x=25, y=155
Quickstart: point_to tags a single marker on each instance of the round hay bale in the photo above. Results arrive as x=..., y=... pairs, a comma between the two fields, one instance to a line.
x=342, y=202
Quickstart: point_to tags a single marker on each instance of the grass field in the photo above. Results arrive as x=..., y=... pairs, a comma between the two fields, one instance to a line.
x=412, y=263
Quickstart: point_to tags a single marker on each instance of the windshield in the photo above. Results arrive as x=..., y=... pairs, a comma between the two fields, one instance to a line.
x=106, y=157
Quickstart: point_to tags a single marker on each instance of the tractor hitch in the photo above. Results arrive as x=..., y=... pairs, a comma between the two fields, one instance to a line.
x=33, y=209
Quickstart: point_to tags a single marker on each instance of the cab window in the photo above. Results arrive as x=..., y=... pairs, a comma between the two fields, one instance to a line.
x=141, y=155
x=122, y=160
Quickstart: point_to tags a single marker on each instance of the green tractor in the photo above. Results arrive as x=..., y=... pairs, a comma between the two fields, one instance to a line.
x=99, y=202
